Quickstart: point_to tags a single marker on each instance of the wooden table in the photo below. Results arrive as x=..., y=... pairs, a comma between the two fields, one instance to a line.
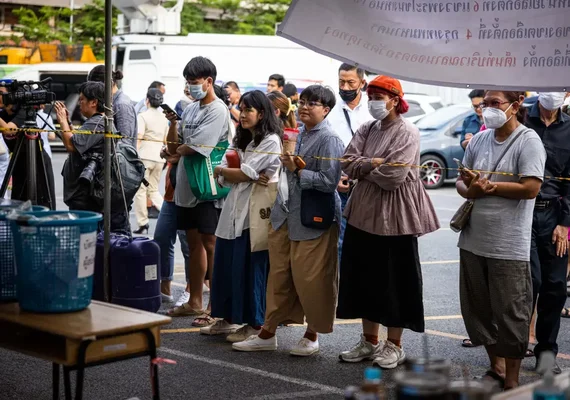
x=101, y=334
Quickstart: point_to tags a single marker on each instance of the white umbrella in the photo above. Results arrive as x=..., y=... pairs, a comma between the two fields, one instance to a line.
x=512, y=45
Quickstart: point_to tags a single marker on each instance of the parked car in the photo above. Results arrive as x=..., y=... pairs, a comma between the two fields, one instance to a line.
x=421, y=105
x=439, y=143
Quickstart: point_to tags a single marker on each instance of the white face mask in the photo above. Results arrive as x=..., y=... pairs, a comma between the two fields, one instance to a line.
x=495, y=118
x=196, y=91
x=551, y=100
x=377, y=109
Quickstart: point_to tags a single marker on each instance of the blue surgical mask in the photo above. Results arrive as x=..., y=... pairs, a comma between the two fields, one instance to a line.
x=196, y=91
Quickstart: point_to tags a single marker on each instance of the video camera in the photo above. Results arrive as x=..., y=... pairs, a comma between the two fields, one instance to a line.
x=26, y=93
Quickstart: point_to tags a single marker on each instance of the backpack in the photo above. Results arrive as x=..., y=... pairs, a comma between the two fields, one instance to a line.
x=127, y=174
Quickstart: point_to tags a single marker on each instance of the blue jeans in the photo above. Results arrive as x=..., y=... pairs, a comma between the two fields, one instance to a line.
x=343, y=201
x=165, y=236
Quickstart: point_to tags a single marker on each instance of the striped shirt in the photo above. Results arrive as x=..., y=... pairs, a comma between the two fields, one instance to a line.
x=319, y=174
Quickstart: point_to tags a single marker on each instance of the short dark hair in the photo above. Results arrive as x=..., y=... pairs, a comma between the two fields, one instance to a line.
x=156, y=85
x=319, y=93
x=222, y=94
x=279, y=78
x=289, y=90
x=476, y=93
x=232, y=84
x=92, y=90
x=348, y=67
x=200, y=67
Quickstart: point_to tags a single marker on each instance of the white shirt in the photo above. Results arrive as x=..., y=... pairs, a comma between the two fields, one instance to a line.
x=358, y=116
x=234, y=218
x=153, y=126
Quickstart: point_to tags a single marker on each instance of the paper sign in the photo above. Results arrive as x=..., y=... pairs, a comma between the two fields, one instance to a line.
x=151, y=272
x=87, y=247
x=512, y=45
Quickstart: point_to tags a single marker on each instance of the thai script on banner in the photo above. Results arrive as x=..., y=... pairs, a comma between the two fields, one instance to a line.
x=517, y=45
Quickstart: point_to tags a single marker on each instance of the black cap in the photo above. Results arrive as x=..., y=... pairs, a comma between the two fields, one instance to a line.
x=155, y=94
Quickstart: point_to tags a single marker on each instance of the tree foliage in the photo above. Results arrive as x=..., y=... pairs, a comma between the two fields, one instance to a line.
x=45, y=25
x=89, y=26
x=249, y=17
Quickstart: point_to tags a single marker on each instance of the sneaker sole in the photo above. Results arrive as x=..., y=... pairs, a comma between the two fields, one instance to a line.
x=356, y=360
x=254, y=349
x=390, y=366
x=294, y=353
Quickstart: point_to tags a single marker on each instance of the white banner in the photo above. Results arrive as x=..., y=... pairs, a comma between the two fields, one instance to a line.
x=514, y=45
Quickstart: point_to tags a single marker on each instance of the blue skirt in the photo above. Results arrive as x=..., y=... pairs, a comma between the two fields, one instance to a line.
x=239, y=281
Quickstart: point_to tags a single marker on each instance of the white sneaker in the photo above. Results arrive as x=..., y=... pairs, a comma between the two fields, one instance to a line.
x=305, y=348
x=363, y=350
x=205, y=289
x=166, y=298
x=242, y=333
x=255, y=343
x=184, y=298
x=390, y=357
x=220, y=327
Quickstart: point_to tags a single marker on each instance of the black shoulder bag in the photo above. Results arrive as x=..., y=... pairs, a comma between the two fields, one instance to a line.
x=317, y=208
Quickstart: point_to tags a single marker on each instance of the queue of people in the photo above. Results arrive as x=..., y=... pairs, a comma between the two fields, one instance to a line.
x=280, y=232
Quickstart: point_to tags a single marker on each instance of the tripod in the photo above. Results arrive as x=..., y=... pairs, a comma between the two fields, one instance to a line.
x=33, y=149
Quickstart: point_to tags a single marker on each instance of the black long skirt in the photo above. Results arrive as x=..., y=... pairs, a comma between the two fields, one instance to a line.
x=381, y=280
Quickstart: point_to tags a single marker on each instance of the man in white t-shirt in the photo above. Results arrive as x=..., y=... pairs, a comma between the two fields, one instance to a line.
x=349, y=113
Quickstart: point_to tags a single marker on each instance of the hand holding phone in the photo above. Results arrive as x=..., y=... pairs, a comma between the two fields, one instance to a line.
x=459, y=164
x=168, y=110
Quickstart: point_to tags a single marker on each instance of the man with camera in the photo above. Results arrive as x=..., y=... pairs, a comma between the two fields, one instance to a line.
x=85, y=151
x=13, y=117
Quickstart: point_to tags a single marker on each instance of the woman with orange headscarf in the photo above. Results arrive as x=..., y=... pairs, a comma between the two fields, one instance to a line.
x=387, y=211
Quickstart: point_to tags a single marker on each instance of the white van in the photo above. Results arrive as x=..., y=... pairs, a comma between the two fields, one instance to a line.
x=247, y=59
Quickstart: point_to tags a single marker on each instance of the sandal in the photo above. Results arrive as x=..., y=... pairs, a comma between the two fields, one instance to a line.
x=467, y=343
x=203, y=320
x=529, y=353
x=183, y=311
x=492, y=375
x=565, y=313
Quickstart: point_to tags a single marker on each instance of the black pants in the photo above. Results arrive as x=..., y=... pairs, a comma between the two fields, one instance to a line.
x=44, y=179
x=548, y=279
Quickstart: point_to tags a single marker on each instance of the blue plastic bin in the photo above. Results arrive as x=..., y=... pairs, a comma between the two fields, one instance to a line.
x=55, y=261
x=7, y=264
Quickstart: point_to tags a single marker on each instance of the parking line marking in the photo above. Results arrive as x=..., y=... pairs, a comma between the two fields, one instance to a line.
x=178, y=284
x=255, y=371
x=293, y=395
x=439, y=262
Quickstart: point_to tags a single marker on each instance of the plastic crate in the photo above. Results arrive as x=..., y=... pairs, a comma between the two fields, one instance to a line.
x=55, y=261
x=7, y=257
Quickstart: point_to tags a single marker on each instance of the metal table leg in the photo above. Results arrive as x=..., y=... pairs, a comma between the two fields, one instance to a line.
x=153, y=365
x=66, y=383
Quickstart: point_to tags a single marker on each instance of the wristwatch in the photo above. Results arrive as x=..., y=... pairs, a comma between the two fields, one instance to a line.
x=296, y=172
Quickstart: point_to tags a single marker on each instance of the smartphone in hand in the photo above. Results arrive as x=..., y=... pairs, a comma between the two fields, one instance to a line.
x=167, y=108
x=459, y=164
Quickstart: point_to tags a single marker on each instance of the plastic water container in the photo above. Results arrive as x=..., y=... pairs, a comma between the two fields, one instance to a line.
x=55, y=260
x=135, y=273
x=7, y=257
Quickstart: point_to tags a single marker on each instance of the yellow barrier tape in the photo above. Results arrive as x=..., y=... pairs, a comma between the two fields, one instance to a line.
x=402, y=165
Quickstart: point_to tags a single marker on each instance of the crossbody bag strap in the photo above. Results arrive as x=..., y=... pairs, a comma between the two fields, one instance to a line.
x=507, y=149
x=348, y=120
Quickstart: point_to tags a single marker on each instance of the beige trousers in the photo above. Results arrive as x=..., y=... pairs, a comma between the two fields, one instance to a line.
x=152, y=175
x=303, y=280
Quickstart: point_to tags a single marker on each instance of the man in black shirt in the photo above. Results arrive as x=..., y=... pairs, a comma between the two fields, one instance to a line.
x=13, y=117
x=549, y=246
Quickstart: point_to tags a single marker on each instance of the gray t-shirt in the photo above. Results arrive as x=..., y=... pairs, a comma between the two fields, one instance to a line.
x=200, y=125
x=500, y=228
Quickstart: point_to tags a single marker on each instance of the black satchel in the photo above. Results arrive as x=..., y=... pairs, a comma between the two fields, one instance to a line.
x=317, y=209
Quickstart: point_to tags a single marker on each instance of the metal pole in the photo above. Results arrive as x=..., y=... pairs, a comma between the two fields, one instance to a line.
x=108, y=147
x=72, y=6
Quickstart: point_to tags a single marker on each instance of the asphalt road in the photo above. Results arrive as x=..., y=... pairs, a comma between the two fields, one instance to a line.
x=207, y=368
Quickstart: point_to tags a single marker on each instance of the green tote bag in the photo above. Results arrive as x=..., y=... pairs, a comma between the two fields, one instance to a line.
x=200, y=173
